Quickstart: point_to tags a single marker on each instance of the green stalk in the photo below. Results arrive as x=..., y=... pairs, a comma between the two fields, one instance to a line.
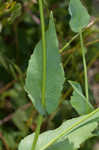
x=44, y=52
x=68, y=43
x=74, y=37
x=39, y=122
x=40, y=119
x=85, y=66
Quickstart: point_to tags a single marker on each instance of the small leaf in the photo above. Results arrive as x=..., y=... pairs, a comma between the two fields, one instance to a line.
x=78, y=100
x=54, y=73
x=79, y=15
x=71, y=129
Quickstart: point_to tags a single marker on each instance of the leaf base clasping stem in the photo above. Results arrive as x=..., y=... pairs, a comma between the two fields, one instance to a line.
x=85, y=66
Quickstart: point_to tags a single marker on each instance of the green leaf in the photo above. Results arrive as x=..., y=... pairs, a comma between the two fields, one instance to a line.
x=69, y=129
x=62, y=145
x=82, y=134
x=54, y=74
x=79, y=15
x=78, y=100
x=19, y=118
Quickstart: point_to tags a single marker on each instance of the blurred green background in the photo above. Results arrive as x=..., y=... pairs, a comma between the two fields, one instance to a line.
x=19, y=33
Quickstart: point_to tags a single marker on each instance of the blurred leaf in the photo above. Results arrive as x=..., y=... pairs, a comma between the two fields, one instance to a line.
x=78, y=100
x=9, y=11
x=10, y=136
x=17, y=96
x=15, y=12
x=10, y=139
x=20, y=118
x=3, y=62
x=55, y=74
x=79, y=15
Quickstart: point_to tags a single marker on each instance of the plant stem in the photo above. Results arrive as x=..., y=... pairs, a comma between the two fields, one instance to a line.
x=67, y=44
x=40, y=119
x=44, y=52
x=85, y=66
x=74, y=37
x=39, y=122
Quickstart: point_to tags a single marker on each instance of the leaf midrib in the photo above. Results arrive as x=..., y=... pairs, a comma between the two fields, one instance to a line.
x=67, y=131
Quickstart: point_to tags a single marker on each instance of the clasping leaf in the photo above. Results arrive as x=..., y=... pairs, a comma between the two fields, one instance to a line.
x=54, y=72
x=78, y=100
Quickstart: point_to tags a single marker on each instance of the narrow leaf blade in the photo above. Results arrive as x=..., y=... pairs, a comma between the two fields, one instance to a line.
x=55, y=73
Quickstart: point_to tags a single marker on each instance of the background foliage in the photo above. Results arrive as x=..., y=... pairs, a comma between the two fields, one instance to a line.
x=19, y=33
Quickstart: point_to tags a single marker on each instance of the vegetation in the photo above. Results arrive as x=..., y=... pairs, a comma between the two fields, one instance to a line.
x=46, y=99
